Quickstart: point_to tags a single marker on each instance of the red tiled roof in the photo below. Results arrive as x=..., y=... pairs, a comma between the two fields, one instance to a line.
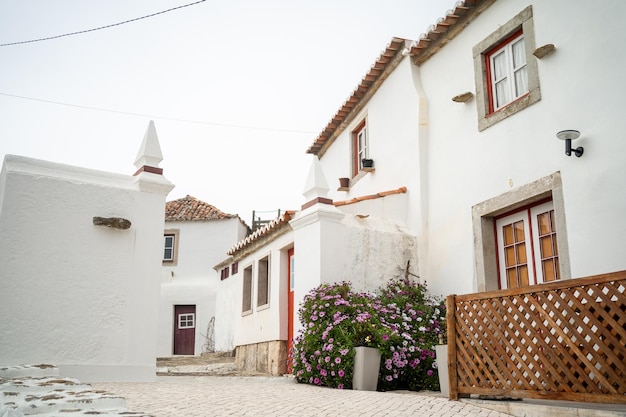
x=263, y=234
x=191, y=209
x=386, y=62
x=438, y=35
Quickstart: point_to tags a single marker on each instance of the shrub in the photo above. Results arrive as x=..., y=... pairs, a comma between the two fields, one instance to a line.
x=417, y=320
x=402, y=321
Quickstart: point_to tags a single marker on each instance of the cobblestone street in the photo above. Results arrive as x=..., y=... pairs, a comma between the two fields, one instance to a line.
x=277, y=396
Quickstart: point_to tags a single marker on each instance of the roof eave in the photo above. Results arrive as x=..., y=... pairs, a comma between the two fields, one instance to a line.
x=388, y=60
x=446, y=29
x=438, y=35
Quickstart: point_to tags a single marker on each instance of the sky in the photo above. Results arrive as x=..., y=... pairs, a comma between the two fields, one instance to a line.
x=238, y=89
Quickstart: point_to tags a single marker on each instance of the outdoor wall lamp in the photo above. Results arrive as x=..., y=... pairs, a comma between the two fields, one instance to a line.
x=568, y=136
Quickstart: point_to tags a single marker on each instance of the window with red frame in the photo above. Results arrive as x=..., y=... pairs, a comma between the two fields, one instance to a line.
x=507, y=72
x=225, y=272
x=359, y=147
x=528, y=253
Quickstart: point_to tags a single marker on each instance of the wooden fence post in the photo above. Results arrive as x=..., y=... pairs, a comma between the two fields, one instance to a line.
x=451, y=331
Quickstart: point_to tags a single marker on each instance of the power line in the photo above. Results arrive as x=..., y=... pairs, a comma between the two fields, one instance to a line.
x=151, y=116
x=102, y=27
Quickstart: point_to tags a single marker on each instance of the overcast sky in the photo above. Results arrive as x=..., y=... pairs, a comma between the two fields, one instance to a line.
x=238, y=90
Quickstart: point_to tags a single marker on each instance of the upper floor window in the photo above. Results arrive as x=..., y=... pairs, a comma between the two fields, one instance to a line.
x=505, y=71
x=359, y=147
x=170, y=250
x=224, y=273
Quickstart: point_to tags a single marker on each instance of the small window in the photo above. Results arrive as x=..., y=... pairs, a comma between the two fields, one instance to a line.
x=359, y=148
x=505, y=71
x=170, y=247
x=263, y=281
x=225, y=273
x=234, y=268
x=247, y=291
x=187, y=321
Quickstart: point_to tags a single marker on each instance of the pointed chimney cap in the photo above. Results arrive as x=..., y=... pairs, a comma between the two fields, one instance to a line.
x=149, y=154
x=316, y=186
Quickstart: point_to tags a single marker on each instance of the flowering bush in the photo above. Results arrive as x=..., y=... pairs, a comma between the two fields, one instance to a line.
x=403, y=322
x=417, y=320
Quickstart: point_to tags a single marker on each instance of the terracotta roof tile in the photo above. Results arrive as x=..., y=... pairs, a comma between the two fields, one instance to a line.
x=401, y=190
x=189, y=209
x=263, y=234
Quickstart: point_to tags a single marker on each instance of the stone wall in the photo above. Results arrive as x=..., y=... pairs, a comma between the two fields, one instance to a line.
x=265, y=357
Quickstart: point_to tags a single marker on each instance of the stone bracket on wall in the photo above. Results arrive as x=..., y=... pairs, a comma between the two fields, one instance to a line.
x=114, y=222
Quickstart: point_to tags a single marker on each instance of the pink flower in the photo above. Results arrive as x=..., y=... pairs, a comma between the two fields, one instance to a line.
x=385, y=337
x=341, y=373
x=340, y=386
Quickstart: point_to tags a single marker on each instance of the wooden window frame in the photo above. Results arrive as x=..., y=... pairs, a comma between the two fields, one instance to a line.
x=175, y=235
x=521, y=23
x=527, y=214
x=359, y=152
x=505, y=47
x=225, y=272
x=187, y=321
x=484, y=213
x=263, y=282
x=247, y=289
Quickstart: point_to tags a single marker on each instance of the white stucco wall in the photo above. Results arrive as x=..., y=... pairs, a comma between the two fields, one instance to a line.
x=264, y=323
x=392, y=121
x=74, y=294
x=582, y=87
x=193, y=281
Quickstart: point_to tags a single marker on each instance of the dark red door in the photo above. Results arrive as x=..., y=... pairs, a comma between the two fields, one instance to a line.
x=184, y=329
x=290, y=287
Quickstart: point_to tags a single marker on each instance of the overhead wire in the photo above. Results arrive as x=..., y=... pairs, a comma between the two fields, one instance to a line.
x=102, y=27
x=174, y=119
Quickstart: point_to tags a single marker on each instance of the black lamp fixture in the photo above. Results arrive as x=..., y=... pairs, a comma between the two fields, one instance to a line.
x=568, y=136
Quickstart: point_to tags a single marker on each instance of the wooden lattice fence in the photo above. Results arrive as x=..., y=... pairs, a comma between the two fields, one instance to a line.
x=562, y=340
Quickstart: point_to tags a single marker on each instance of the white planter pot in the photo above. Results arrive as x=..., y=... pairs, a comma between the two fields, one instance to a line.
x=366, y=368
x=442, y=369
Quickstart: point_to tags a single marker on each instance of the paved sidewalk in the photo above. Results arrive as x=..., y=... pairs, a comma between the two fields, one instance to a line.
x=188, y=396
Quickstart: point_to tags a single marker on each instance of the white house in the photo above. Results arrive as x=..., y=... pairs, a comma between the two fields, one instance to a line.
x=196, y=237
x=471, y=187
x=78, y=258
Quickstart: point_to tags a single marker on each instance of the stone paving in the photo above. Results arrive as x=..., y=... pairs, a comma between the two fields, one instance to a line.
x=277, y=396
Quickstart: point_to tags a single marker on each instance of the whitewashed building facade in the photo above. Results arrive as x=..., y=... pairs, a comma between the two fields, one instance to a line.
x=80, y=252
x=461, y=126
x=196, y=237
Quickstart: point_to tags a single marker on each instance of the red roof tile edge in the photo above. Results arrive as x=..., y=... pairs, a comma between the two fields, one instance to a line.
x=355, y=200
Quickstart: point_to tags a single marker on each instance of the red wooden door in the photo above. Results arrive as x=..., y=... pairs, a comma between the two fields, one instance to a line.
x=184, y=329
x=290, y=287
